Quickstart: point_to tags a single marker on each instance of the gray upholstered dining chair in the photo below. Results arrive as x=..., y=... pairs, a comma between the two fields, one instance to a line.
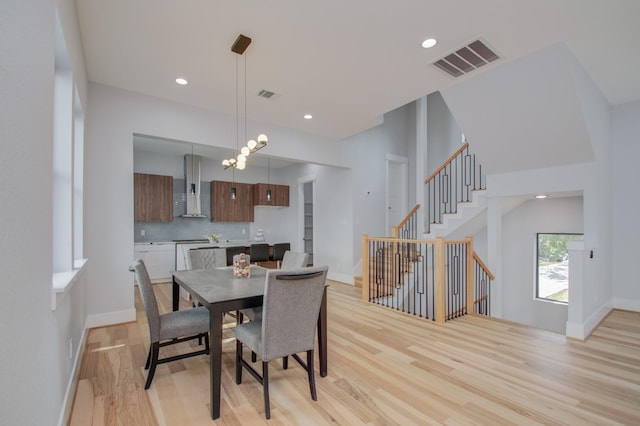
x=203, y=258
x=291, y=260
x=170, y=328
x=294, y=259
x=290, y=312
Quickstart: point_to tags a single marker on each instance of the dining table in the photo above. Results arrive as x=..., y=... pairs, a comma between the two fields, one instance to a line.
x=220, y=291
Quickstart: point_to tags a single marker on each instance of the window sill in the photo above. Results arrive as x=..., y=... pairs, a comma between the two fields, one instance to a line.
x=63, y=282
x=554, y=302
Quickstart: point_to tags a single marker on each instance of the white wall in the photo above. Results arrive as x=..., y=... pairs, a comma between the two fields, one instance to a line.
x=626, y=202
x=35, y=366
x=333, y=224
x=596, y=297
x=548, y=121
x=173, y=165
x=281, y=224
x=114, y=116
x=443, y=133
x=524, y=114
x=519, y=228
x=366, y=153
x=34, y=380
x=27, y=270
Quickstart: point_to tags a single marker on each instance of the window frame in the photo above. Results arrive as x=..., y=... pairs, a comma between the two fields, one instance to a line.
x=68, y=175
x=536, y=290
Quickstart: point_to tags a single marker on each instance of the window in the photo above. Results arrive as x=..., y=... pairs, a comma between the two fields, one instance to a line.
x=552, y=266
x=67, y=187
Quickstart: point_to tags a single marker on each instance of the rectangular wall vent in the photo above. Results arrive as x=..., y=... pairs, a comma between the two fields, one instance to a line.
x=466, y=59
x=267, y=94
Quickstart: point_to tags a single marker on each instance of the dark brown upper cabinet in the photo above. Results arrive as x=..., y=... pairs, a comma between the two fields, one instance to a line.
x=279, y=195
x=153, y=198
x=224, y=208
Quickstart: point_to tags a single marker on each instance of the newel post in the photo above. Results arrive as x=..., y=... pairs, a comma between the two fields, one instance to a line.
x=470, y=276
x=440, y=281
x=365, y=267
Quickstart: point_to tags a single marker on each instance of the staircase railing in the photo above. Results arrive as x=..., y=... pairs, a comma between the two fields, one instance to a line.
x=452, y=183
x=408, y=228
x=434, y=279
x=482, y=286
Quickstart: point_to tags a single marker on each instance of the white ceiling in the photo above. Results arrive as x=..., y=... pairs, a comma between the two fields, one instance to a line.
x=347, y=62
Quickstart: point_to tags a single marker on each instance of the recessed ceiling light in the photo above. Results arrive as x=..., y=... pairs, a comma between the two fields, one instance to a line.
x=428, y=43
x=308, y=116
x=181, y=81
x=541, y=196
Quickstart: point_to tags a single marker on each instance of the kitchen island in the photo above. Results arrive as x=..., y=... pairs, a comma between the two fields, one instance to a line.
x=183, y=247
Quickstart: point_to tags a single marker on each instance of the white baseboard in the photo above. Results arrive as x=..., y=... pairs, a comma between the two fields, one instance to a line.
x=92, y=321
x=111, y=318
x=582, y=331
x=67, y=402
x=343, y=278
x=626, y=304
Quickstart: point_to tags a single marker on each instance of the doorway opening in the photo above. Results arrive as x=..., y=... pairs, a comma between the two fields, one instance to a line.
x=306, y=215
x=397, y=194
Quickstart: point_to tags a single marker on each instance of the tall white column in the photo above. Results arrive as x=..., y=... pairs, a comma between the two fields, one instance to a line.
x=494, y=247
x=421, y=158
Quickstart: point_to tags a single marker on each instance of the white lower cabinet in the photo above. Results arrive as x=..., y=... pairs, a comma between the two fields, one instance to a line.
x=159, y=258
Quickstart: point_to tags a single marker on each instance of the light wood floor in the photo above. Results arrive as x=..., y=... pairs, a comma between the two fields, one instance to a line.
x=385, y=368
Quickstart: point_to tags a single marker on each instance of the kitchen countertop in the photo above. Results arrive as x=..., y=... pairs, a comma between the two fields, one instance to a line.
x=221, y=243
x=141, y=243
x=203, y=242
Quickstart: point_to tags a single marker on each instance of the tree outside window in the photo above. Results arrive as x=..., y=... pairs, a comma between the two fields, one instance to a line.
x=553, y=266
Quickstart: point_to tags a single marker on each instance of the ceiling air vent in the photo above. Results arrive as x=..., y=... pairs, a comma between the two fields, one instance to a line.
x=267, y=94
x=468, y=58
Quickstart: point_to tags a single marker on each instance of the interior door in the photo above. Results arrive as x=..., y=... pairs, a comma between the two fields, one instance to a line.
x=396, y=191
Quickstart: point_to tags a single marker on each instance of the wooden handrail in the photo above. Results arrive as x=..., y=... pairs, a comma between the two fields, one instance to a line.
x=439, y=169
x=408, y=216
x=484, y=267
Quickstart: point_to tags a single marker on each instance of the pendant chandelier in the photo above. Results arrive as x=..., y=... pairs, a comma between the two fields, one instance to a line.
x=238, y=161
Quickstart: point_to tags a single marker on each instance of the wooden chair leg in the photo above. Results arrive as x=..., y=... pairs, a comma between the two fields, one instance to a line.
x=265, y=387
x=310, y=371
x=153, y=351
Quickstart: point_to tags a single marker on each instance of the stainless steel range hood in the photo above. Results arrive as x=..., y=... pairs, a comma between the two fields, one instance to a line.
x=192, y=178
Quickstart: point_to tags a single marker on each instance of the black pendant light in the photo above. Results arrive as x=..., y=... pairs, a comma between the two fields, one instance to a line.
x=268, y=182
